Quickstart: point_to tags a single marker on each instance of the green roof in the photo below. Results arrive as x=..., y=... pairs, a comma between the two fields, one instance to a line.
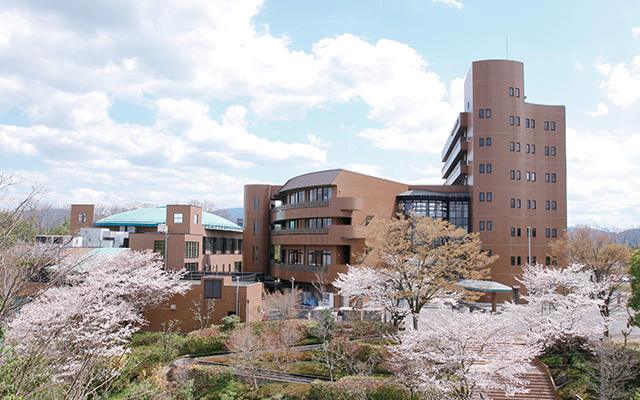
x=158, y=215
x=484, y=286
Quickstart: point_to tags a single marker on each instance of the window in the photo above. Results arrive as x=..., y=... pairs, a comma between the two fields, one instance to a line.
x=512, y=146
x=533, y=232
x=547, y=232
x=528, y=176
x=533, y=204
x=82, y=217
x=533, y=177
x=481, y=142
x=513, y=232
x=481, y=225
x=553, y=178
x=518, y=175
x=519, y=232
x=513, y=203
x=547, y=177
x=481, y=168
x=553, y=205
x=553, y=151
x=533, y=149
x=481, y=113
x=554, y=233
x=177, y=218
x=528, y=148
x=195, y=219
x=296, y=257
x=213, y=289
x=481, y=196
x=553, y=125
x=517, y=92
x=518, y=146
x=519, y=260
x=547, y=205
x=512, y=174
x=518, y=121
x=546, y=150
x=528, y=204
x=511, y=120
x=527, y=124
x=519, y=202
x=488, y=113
x=320, y=194
x=296, y=197
x=513, y=260
x=489, y=225
x=254, y=227
x=547, y=260
x=533, y=123
x=191, y=249
x=256, y=203
x=254, y=253
x=510, y=92
x=191, y=266
x=489, y=197
x=488, y=141
x=546, y=125
x=158, y=247
x=488, y=168
x=321, y=258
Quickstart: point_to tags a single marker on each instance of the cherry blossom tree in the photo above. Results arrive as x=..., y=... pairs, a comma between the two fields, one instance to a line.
x=78, y=331
x=462, y=356
x=418, y=259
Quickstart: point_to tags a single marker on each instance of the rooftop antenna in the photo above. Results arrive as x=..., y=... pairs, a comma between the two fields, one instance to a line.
x=507, y=47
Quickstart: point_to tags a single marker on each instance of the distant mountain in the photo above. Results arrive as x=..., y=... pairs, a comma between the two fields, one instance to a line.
x=234, y=214
x=629, y=237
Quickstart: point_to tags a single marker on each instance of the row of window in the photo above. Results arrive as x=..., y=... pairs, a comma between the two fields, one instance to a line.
x=511, y=92
x=487, y=224
x=517, y=260
x=517, y=232
x=531, y=176
x=484, y=167
x=485, y=195
x=531, y=204
x=531, y=123
x=315, y=195
x=217, y=245
x=482, y=141
x=482, y=113
x=178, y=218
x=314, y=257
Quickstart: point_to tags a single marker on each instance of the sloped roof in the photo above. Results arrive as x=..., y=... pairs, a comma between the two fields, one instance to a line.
x=158, y=215
x=321, y=178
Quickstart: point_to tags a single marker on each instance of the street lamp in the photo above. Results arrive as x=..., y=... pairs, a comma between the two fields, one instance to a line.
x=529, y=236
x=293, y=281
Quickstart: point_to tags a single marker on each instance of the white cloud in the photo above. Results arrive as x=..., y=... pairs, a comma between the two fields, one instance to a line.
x=579, y=66
x=600, y=110
x=621, y=84
x=450, y=3
x=12, y=25
x=603, y=176
x=367, y=169
x=636, y=32
x=318, y=142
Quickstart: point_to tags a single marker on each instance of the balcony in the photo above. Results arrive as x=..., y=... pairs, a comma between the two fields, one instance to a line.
x=285, y=207
x=315, y=231
x=346, y=232
x=458, y=128
x=298, y=267
x=457, y=174
x=334, y=207
x=459, y=149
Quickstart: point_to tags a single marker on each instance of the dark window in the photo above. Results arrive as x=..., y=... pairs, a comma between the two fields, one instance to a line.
x=488, y=168
x=519, y=203
x=533, y=124
x=546, y=177
x=513, y=260
x=554, y=233
x=481, y=196
x=158, y=247
x=512, y=174
x=533, y=204
x=489, y=225
x=546, y=125
x=481, y=168
x=547, y=260
x=547, y=205
x=511, y=92
x=553, y=178
x=212, y=289
x=533, y=149
x=489, y=196
x=488, y=141
x=546, y=150
x=517, y=92
x=518, y=146
x=511, y=120
x=191, y=266
x=481, y=142
x=528, y=148
x=553, y=205
x=547, y=232
x=481, y=225
x=488, y=113
x=533, y=177
x=480, y=113
x=519, y=260
x=553, y=125
x=519, y=232
x=518, y=121
x=553, y=151
x=512, y=146
x=527, y=123
x=513, y=203
x=82, y=217
x=533, y=232
x=191, y=249
x=528, y=204
x=518, y=175
x=513, y=232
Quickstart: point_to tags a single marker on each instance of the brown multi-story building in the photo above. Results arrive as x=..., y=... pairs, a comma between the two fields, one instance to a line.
x=505, y=177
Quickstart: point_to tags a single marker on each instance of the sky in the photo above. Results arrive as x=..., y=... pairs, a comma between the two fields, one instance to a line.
x=116, y=101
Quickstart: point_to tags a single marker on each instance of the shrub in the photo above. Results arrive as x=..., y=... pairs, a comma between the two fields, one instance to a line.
x=230, y=322
x=198, y=344
x=372, y=328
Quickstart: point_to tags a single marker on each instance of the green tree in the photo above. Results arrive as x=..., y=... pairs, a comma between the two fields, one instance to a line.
x=634, y=300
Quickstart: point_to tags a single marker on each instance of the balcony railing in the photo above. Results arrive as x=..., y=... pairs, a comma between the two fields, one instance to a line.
x=300, y=205
x=299, y=267
x=461, y=122
x=315, y=231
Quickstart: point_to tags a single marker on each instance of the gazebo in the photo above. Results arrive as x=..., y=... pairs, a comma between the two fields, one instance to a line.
x=485, y=287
